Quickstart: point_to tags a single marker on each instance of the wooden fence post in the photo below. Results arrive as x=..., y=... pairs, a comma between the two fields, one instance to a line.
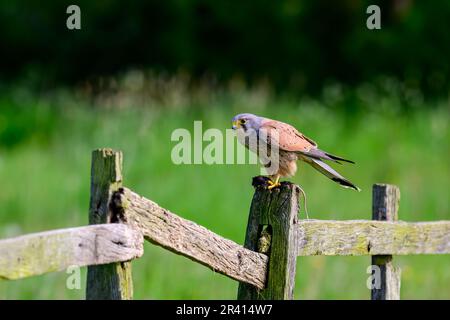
x=110, y=281
x=272, y=229
x=385, y=207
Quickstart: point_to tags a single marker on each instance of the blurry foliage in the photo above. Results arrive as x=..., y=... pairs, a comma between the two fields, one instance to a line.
x=296, y=45
x=22, y=119
x=47, y=180
x=144, y=68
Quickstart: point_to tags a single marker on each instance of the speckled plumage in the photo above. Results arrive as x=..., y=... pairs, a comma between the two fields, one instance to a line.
x=292, y=145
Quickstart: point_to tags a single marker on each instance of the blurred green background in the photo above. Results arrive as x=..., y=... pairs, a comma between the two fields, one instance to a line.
x=135, y=73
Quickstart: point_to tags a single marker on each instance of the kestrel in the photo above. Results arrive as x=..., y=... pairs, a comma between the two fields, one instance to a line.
x=292, y=146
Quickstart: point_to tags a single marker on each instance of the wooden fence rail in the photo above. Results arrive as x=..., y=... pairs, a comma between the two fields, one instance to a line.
x=56, y=250
x=264, y=266
x=365, y=237
x=187, y=238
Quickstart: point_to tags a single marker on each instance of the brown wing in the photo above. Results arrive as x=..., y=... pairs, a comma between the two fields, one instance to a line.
x=289, y=138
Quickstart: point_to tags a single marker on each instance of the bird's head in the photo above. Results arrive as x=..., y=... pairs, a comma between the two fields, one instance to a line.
x=246, y=121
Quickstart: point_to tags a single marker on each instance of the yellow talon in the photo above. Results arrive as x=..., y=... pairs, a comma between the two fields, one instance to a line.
x=274, y=184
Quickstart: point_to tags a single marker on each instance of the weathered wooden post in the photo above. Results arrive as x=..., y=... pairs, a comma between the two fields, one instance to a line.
x=272, y=229
x=109, y=281
x=385, y=207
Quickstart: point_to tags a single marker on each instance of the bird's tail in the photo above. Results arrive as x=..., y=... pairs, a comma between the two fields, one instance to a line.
x=322, y=155
x=326, y=170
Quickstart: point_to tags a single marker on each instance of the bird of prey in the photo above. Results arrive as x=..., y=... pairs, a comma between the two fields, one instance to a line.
x=291, y=145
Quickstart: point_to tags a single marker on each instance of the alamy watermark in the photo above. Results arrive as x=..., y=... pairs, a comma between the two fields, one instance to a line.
x=74, y=20
x=73, y=281
x=374, y=280
x=374, y=20
x=221, y=148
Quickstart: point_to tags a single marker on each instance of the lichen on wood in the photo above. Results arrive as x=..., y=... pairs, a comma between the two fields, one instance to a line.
x=111, y=281
x=367, y=237
x=181, y=236
x=272, y=229
x=56, y=250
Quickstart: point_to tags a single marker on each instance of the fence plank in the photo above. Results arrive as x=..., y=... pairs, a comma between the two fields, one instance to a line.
x=56, y=250
x=366, y=237
x=185, y=237
x=109, y=281
x=385, y=208
x=272, y=229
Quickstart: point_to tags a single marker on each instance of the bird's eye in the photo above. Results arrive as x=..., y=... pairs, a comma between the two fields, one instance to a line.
x=242, y=121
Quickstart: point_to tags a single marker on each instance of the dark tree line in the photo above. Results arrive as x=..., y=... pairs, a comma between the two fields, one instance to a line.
x=299, y=45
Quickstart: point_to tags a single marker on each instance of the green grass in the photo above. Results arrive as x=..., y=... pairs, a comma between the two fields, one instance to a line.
x=45, y=164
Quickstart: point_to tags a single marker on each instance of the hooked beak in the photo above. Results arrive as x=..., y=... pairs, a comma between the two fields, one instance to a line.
x=236, y=124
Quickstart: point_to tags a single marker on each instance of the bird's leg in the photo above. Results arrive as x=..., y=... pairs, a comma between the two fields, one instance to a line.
x=274, y=184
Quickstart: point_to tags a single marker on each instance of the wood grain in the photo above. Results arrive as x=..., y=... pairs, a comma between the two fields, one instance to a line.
x=56, y=250
x=366, y=237
x=189, y=239
x=272, y=229
x=385, y=204
x=109, y=281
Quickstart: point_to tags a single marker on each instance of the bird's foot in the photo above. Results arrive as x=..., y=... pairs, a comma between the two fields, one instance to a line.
x=273, y=184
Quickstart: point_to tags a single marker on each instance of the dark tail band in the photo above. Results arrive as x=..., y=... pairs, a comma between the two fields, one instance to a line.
x=326, y=170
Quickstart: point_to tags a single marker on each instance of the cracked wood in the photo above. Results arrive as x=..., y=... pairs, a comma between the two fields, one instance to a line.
x=56, y=250
x=272, y=228
x=366, y=237
x=109, y=281
x=191, y=240
x=385, y=204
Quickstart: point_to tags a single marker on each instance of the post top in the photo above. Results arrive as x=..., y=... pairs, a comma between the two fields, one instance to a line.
x=106, y=152
x=262, y=183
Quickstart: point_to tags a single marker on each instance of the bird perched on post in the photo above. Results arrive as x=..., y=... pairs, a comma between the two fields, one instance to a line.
x=290, y=146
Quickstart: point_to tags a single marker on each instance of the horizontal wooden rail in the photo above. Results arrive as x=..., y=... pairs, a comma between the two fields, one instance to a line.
x=189, y=239
x=366, y=237
x=56, y=250
x=316, y=237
